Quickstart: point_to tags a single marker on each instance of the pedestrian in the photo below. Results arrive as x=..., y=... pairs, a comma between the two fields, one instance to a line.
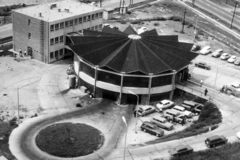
x=201, y=82
x=205, y=92
x=25, y=53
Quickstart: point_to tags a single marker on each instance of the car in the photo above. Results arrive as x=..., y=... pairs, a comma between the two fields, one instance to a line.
x=217, y=53
x=237, y=61
x=198, y=108
x=183, y=111
x=205, y=50
x=233, y=88
x=203, y=65
x=144, y=110
x=238, y=135
x=232, y=59
x=215, y=141
x=107, y=25
x=225, y=56
x=181, y=119
x=152, y=129
x=188, y=105
x=180, y=150
x=142, y=30
x=162, y=122
x=164, y=104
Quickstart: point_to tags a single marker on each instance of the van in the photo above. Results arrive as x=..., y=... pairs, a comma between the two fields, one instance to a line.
x=179, y=108
x=145, y=110
x=215, y=141
x=189, y=105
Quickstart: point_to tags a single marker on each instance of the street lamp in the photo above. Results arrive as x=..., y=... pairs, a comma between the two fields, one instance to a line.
x=234, y=13
x=136, y=109
x=125, y=122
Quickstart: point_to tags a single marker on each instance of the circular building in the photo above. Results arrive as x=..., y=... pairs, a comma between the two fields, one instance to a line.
x=128, y=67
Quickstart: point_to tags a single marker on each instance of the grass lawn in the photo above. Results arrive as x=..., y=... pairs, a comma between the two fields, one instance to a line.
x=69, y=139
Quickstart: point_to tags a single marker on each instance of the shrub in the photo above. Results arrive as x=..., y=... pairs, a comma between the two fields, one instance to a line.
x=13, y=121
x=156, y=24
x=176, y=18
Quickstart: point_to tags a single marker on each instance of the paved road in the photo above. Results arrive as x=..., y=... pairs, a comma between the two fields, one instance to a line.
x=219, y=11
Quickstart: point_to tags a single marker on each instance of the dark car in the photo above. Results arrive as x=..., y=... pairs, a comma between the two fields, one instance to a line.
x=180, y=150
x=152, y=129
x=215, y=141
x=203, y=65
x=198, y=108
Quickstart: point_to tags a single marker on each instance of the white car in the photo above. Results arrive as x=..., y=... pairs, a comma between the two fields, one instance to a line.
x=217, y=53
x=142, y=30
x=164, y=104
x=237, y=61
x=232, y=59
x=205, y=50
x=225, y=56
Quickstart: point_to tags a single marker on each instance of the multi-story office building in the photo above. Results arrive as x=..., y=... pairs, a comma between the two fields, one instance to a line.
x=41, y=30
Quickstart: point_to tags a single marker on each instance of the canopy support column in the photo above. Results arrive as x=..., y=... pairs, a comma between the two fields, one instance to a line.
x=120, y=96
x=173, y=84
x=149, y=87
x=95, y=80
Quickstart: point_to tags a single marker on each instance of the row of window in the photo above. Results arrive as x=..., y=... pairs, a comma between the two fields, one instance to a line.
x=56, y=54
x=76, y=21
x=56, y=40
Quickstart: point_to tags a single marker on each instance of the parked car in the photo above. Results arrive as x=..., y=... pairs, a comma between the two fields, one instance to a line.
x=164, y=104
x=142, y=30
x=215, y=141
x=233, y=88
x=183, y=111
x=162, y=122
x=237, y=61
x=238, y=135
x=203, y=65
x=179, y=118
x=232, y=59
x=196, y=47
x=180, y=150
x=205, y=50
x=225, y=56
x=152, y=129
x=145, y=110
x=189, y=105
x=217, y=53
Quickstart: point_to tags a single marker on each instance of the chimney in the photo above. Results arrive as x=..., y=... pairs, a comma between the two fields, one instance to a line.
x=40, y=14
x=59, y=10
x=67, y=10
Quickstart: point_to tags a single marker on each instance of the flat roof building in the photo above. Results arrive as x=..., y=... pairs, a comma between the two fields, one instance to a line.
x=41, y=30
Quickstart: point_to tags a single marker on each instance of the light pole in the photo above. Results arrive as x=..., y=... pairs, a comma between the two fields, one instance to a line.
x=136, y=109
x=125, y=144
x=234, y=13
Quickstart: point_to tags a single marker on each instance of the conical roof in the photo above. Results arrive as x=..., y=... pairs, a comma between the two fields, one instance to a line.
x=129, y=52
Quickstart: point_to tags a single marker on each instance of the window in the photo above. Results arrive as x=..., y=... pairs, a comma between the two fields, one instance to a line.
x=56, y=26
x=29, y=22
x=92, y=28
x=92, y=16
x=96, y=16
x=52, y=28
x=51, y=55
x=61, y=25
x=80, y=20
x=88, y=28
x=71, y=23
x=76, y=21
x=88, y=18
x=66, y=24
x=100, y=27
x=96, y=28
x=100, y=15
x=29, y=35
x=61, y=52
x=56, y=40
x=56, y=54
x=84, y=19
x=61, y=39
x=51, y=41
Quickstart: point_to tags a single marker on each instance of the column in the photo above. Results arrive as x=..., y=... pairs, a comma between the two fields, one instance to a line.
x=173, y=84
x=95, y=82
x=149, y=87
x=120, y=98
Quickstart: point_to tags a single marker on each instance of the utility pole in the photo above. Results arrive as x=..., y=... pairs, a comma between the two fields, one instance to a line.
x=234, y=13
x=120, y=6
x=182, y=31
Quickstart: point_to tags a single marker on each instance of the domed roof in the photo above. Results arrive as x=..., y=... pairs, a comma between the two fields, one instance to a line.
x=129, y=52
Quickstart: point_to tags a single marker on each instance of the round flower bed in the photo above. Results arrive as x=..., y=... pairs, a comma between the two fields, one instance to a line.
x=69, y=139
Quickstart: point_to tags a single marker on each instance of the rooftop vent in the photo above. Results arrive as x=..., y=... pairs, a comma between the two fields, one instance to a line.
x=67, y=10
x=59, y=10
x=53, y=6
x=40, y=14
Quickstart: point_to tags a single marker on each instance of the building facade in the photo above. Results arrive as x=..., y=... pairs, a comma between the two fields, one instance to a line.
x=41, y=30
